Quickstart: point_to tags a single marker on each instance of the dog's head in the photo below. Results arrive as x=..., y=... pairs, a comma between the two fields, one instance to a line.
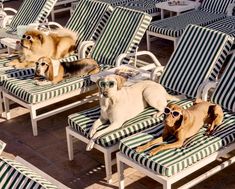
x=109, y=85
x=43, y=66
x=32, y=39
x=174, y=115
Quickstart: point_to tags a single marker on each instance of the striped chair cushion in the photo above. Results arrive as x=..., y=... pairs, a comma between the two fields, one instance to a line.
x=194, y=149
x=226, y=25
x=31, y=11
x=216, y=6
x=199, y=56
x=82, y=122
x=88, y=19
x=16, y=175
x=25, y=88
x=122, y=34
x=147, y=6
x=224, y=93
x=174, y=26
x=115, y=3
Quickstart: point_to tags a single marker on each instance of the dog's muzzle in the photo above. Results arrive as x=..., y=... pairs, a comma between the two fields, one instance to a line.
x=104, y=94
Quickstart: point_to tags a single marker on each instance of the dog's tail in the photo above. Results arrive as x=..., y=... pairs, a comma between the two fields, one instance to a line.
x=175, y=97
x=64, y=32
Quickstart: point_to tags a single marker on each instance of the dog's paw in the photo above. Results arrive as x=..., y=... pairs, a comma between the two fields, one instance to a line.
x=90, y=145
x=140, y=149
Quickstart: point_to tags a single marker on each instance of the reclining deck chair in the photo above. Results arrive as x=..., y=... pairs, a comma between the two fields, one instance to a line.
x=199, y=56
x=170, y=166
x=88, y=20
x=173, y=27
x=29, y=12
x=115, y=3
x=131, y=26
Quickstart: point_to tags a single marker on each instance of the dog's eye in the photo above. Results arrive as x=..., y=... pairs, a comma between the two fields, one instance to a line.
x=102, y=84
x=24, y=36
x=43, y=63
x=111, y=84
x=175, y=113
x=167, y=110
x=37, y=63
x=28, y=37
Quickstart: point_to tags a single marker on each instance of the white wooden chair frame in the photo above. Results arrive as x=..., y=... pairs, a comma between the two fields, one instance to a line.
x=167, y=182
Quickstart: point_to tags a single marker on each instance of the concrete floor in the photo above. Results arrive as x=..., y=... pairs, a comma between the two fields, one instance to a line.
x=48, y=151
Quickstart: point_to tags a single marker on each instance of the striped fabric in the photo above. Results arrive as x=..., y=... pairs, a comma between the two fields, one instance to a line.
x=194, y=149
x=224, y=93
x=216, y=6
x=226, y=25
x=115, y=3
x=122, y=34
x=199, y=56
x=147, y=6
x=82, y=122
x=16, y=175
x=175, y=26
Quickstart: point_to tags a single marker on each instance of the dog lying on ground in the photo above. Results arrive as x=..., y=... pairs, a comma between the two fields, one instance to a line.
x=185, y=123
x=56, y=44
x=119, y=104
x=53, y=71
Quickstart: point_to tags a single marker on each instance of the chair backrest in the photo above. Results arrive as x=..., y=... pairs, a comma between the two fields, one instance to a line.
x=122, y=34
x=224, y=93
x=216, y=6
x=89, y=19
x=199, y=56
x=31, y=11
x=16, y=175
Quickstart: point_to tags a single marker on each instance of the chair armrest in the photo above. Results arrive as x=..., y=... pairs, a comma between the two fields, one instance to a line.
x=156, y=73
x=2, y=146
x=230, y=9
x=204, y=88
x=54, y=24
x=135, y=54
x=83, y=48
x=8, y=9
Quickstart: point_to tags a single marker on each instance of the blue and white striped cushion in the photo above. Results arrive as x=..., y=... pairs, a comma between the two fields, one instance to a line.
x=224, y=93
x=175, y=26
x=194, y=149
x=199, y=56
x=82, y=122
x=216, y=6
x=16, y=175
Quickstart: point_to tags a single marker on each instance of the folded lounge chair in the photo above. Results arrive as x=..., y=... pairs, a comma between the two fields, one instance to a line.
x=198, y=57
x=173, y=27
x=131, y=26
x=170, y=166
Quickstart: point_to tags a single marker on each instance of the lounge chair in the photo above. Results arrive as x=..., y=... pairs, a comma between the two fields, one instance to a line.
x=173, y=27
x=198, y=57
x=29, y=12
x=108, y=46
x=115, y=3
x=170, y=166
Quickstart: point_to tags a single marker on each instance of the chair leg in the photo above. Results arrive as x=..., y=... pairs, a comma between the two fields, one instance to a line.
x=120, y=167
x=34, y=121
x=69, y=144
x=7, y=107
x=1, y=104
x=52, y=16
x=108, y=166
x=148, y=41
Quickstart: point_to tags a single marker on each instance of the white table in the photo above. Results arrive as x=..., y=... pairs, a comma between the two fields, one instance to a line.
x=189, y=5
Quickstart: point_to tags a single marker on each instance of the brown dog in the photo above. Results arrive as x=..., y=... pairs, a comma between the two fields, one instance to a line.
x=56, y=44
x=185, y=123
x=53, y=71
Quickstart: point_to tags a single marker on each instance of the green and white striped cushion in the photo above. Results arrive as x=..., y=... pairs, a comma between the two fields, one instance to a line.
x=199, y=56
x=194, y=149
x=82, y=122
x=216, y=6
x=25, y=88
x=175, y=26
x=31, y=11
x=16, y=175
x=115, y=3
x=224, y=93
x=122, y=34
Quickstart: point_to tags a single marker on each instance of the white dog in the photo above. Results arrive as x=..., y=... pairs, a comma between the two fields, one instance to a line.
x=119, y=104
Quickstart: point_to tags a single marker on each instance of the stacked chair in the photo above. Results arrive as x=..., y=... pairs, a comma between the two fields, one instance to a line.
x=29, y=12
x=198, y=58
x=18, y=173
x=115, y=3
x=23, y=90
x=173, y=27
x=170, y=166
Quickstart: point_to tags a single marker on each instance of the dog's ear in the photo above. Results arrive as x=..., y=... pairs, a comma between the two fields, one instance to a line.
x=184, y=118
x=41, y=38
x=120, y=81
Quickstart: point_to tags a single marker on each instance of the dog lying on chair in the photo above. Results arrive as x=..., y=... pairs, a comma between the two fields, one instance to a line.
x=119, y=104
x=185, y=123
x=54, y=72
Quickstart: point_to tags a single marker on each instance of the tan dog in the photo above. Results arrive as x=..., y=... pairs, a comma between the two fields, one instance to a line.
x=56, y=44
x=185, y=123
x=53, y=71
x=119, y=104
